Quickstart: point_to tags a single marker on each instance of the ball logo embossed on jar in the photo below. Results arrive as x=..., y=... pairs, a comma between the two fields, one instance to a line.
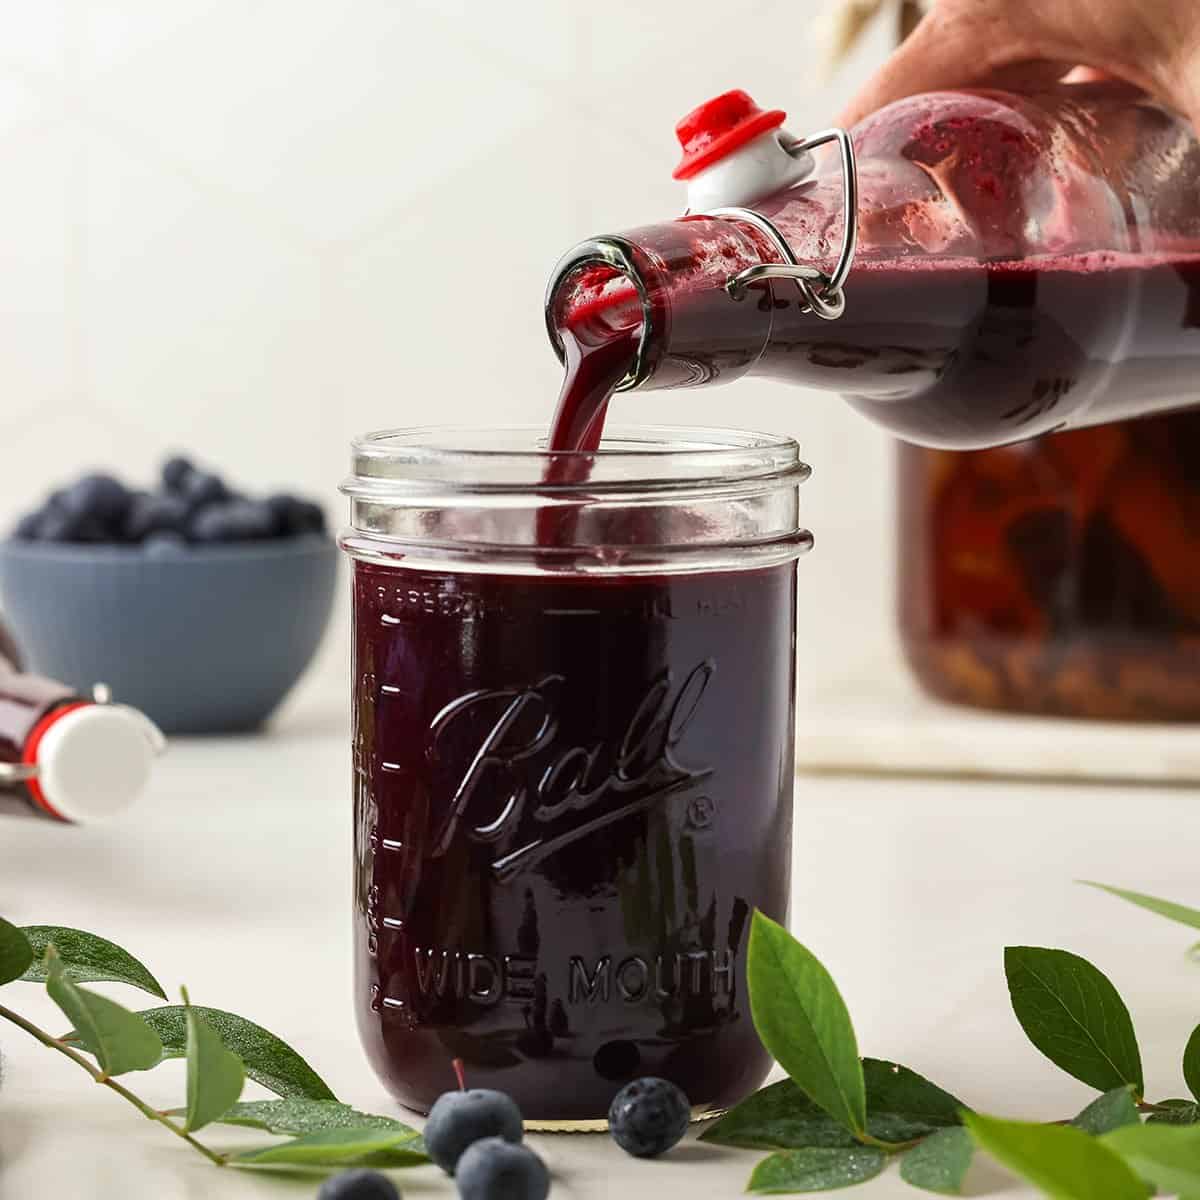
x=522, y=786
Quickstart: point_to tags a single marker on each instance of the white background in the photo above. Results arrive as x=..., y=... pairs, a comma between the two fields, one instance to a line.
x=252, y=228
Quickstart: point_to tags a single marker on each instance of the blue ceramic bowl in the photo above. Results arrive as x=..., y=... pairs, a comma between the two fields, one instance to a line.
x=205, y=639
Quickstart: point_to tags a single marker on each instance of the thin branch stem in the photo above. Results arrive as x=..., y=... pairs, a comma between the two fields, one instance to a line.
x=151, y=1113
x=888, y=1147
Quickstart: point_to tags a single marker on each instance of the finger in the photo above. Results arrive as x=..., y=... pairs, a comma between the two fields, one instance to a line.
x=1086, y=75
x=954, y=51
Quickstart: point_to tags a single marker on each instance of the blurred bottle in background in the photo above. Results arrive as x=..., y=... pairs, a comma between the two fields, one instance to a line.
x=1059, y=576
x=66, y=757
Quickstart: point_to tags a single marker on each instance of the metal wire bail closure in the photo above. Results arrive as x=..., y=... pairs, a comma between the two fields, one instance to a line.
x=823, y=294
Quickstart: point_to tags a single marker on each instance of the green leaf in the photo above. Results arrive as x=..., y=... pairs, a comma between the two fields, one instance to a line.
x=1175, y=1112
x=1164, y=908
x=87, y=958
x=817, y=1169
x=342, y=1148
x=780, y=1117
x=940, y=1163
x=802, y=1020
x=15, y=952
x=905, y=1102
x=1168, y=1158
x=120, y=1040
x=297, y=1117
x=1064, y=1163
x=215, y=1076
x=1191, y=1063
x=901, y=1105
x=1074, y=1016
x=267, y=1059
x=1108, y=1112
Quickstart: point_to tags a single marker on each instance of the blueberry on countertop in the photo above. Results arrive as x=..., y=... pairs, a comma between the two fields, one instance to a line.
x=458, y=1119
x=648, y=1116
x=493, y=1169
x=360, y=1184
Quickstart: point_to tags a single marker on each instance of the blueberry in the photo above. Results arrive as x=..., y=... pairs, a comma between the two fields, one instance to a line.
x=309, y=518
x=358, y=1185
x=294, y=516
x=648, y=1116
x=55, y=525
x=90, y=528
x=281, y=506
x=60, y=525
x=164, y=544
x=27, y=528
x=102, y=497
x=203, y=487
x=231, y=521
x=158, y=512
x=458, y=1119
x=493, y=1169
x=174, y=471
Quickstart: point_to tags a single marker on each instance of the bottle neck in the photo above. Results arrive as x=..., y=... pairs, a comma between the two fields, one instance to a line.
x=676, y=285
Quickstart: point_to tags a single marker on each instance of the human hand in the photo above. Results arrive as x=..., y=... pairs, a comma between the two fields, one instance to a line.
x=1024, y=44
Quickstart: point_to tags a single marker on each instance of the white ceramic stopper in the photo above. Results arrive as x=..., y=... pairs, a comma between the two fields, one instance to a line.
x=93, y=762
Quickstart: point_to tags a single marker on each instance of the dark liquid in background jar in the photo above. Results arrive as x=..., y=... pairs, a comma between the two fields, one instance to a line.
x=571, y=794
x=1060, y=576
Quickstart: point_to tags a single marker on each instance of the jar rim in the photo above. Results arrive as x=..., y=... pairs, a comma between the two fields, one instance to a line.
x=514, y=458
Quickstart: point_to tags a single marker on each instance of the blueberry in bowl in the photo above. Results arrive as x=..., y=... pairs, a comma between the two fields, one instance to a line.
x=196, y=603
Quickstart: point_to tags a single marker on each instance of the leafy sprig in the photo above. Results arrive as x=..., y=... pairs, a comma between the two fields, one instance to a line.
x=838, y=1119
x=222, y=1050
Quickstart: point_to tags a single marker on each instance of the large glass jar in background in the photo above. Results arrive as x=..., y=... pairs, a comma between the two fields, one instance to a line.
x=573, y=707
x=1057, y=576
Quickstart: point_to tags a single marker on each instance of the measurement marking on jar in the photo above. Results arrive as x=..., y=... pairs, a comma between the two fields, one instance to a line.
x=390, y=766
x=391, y=844
x=393, y=923
x=389, y=689
x=391, y=1002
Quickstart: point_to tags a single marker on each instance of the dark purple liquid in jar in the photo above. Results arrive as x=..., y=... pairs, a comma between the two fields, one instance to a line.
x=571, y=794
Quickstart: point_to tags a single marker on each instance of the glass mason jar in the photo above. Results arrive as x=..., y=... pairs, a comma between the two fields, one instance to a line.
x=573, y=752
x=1058, y=576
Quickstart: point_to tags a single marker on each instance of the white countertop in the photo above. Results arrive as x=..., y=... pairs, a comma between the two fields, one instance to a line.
x=234, y=879
x=874, y=718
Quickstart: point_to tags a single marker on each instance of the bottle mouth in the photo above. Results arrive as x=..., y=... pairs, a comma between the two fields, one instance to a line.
x=599, y=282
